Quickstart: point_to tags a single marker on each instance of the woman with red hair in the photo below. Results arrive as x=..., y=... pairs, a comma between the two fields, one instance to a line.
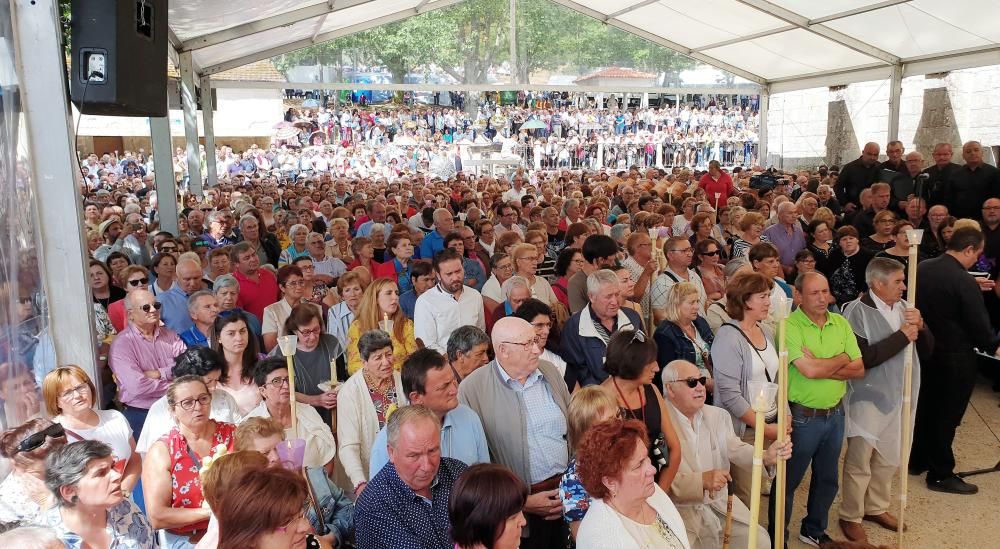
x=628, y=509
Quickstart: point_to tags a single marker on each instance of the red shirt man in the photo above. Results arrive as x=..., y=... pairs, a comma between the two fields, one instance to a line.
x=258, y=287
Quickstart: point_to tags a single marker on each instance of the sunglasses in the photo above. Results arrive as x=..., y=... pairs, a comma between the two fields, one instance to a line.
x=32, y=442
x=692, y=382
x=150, y=307
x=712, y=253
x=138, y=282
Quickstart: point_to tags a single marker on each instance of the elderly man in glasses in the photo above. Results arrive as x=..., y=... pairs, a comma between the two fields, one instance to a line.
x=142, y=356
x=709, y=445
x=522, y=402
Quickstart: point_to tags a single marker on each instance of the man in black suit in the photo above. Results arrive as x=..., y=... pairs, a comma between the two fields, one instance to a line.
x=972, y=183
x=940, y=174
x=951, y=302
x=858, y=175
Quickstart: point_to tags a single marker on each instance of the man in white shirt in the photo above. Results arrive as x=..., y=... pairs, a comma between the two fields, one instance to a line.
x=680, y=254
x=447, y=306
x=516, y=192
x=709, y=445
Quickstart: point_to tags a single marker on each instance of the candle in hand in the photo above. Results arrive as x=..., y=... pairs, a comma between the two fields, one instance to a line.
x=333, y=373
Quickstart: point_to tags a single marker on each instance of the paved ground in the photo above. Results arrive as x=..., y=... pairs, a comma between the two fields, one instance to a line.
x=939, y=520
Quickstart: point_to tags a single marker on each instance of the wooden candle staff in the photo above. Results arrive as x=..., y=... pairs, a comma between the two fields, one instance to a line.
x=653, y=234
x=780, y=478
x=762, y=396
x=913, y=236
x=288, y=344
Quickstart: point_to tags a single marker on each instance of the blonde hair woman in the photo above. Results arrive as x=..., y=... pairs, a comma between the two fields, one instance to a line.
x=526, y=259
x=589, y=406
x=684, y=333
x=381, y=301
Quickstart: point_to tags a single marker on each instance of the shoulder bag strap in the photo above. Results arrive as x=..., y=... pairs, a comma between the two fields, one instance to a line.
x=752, y=346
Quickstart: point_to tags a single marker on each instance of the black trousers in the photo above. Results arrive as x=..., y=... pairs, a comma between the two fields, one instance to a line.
x=946, y=385
x=545, y=534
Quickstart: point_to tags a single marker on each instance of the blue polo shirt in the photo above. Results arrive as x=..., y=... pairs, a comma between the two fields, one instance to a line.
x=462, y=438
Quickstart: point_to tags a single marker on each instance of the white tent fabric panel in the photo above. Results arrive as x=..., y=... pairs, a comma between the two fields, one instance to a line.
x=814, y=9
x=695, y=24
x=909, y=32
x=767, y=41
x=306, y=29
x=790, y=53
x=191, y=18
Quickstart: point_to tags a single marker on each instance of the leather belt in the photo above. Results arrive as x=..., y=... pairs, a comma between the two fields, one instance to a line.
x=814, y=412
x=550, y=483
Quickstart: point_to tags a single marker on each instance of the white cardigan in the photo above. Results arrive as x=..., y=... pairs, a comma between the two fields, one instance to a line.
x=357, y=424
x=602, y=527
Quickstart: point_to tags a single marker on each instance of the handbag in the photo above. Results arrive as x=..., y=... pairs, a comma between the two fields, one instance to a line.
x=659, y=453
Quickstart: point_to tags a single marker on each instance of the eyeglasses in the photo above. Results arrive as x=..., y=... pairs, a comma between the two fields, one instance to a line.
x=278, y=382
x=138, y=282
x=32, y=442
x=314, y=331
x=535, y=342
x=295, y=283
x=165, y=249
x=692, y=382
x=78, y=390
x=150, y=307
x=712, y=253
x=504, y=267
x=682, y=250
x=188, y=403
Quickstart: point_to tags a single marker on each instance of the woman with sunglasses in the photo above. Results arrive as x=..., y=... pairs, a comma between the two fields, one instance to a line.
x=23, y=494
x=632, y=366
x=708, y=255
x=134, y=277
x=92, y=508
x=69, y=399
x=171, y=477
x=272, y=379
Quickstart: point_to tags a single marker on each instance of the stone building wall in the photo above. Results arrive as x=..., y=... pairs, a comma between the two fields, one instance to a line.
x=822, y=125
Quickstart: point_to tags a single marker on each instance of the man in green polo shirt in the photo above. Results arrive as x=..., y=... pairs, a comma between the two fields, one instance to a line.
x=823, y=354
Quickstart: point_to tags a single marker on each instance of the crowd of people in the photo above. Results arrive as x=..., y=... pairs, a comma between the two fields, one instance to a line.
x=373, y=142
x=562, y=358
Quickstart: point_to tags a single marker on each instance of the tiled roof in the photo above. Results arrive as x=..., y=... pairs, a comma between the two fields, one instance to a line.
x=261, y=70
x=617, y=72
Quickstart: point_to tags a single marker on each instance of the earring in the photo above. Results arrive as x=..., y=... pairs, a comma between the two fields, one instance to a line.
x=74, y=499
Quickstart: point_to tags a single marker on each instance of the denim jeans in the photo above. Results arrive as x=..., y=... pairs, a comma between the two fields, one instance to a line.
x=816, y=441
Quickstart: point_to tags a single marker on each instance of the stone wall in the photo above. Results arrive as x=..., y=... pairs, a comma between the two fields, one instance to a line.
x=820, y=125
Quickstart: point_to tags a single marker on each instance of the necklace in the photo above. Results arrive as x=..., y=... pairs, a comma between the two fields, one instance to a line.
x=378, y=389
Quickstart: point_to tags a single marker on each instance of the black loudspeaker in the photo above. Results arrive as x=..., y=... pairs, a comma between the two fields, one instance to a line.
x=119, y=57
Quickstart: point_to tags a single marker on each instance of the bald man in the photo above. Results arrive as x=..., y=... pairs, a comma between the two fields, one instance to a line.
x=857, y=175
x=972, y=184
x=142, y=357
x=522, y=402
x=175, y=300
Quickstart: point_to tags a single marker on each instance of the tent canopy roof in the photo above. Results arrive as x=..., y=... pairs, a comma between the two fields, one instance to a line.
x=782, y=44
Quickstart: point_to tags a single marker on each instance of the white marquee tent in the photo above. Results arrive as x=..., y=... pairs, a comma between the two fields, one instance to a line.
x=781, y=45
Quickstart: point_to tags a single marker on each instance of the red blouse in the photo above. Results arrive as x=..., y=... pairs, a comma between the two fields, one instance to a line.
x=185, y=471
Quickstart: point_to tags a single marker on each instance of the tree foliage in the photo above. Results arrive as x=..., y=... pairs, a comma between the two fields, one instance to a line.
x=471, y=39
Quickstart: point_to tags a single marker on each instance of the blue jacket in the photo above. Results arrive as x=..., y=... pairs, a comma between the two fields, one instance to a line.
x=672, y=344
x=584, y=351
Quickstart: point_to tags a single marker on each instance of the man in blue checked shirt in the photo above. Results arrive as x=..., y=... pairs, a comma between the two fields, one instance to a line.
x=405, y=506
